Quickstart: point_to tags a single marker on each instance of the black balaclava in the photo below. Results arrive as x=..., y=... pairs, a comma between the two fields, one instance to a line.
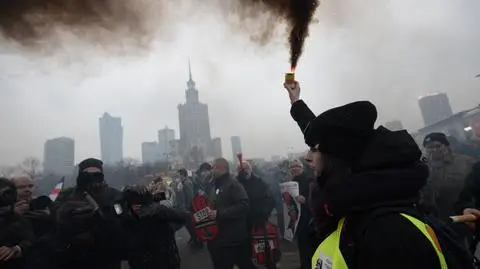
x=86, y=180
x=8, y=196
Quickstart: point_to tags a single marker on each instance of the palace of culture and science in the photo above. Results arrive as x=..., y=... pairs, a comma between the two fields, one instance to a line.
x=195, y=144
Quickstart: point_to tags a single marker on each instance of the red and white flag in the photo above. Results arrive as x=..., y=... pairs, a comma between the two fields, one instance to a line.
x=56, y=191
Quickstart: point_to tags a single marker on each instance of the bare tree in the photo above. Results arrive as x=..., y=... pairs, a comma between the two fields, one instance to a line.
x=130, y=163
x=31, y=166
x=7, y=171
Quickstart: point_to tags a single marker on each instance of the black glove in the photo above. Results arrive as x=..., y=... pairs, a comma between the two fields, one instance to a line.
x=75, y=217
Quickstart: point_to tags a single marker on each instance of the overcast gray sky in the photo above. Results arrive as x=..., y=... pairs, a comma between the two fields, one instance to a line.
x=389, y=52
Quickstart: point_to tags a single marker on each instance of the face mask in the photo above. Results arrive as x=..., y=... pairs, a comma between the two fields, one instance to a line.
x=87, y=180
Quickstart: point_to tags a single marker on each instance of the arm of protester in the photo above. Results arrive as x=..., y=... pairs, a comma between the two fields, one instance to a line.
x=162, y=212
x=299, y=110
x=240, y=206
x=17, y=251
x=62, y=198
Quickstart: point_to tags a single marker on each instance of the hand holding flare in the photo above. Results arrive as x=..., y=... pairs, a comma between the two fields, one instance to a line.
x=292, y=86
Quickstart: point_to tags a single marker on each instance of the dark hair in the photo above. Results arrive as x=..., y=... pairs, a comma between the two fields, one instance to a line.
x=332, y=168
x=5, y=182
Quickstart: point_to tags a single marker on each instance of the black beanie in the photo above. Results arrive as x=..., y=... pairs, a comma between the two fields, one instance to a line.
x=183, y=172
x=343, y=131
x=438, y=137
x=90, y=162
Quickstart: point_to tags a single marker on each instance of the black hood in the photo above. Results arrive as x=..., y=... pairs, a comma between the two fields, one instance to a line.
x=389, y=173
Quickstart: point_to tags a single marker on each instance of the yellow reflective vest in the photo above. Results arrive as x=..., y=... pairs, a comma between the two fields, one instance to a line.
x=329, y=256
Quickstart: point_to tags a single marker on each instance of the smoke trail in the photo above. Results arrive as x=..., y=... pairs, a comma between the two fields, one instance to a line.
x=298, y=15
x=30, y=21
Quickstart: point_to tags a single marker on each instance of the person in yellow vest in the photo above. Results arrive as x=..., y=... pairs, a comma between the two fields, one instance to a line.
x=362, y=171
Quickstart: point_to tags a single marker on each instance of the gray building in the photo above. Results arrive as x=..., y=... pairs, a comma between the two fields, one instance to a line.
x=461, y=125
x=435, y=107
x=195, y=138
x=150, y=152
x=217, y=147
x=165, y=136
x=111, y=139
x=394, y=125
x=236, y=147
x=59, y=156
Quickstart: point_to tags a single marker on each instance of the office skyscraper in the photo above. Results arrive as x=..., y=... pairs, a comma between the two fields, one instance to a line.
x=165, y=136
x=111, y=139
x=434, y=107
x=150, y=152
x=59, y=156
x=217, y=147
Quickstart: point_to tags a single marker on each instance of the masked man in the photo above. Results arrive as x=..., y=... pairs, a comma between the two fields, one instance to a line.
x=89, y=229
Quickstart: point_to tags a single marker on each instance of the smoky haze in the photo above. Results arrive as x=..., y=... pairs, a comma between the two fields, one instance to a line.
x=389, y=52
x=34, y=22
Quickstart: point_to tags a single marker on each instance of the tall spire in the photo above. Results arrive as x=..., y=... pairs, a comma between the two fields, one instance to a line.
x=189, y=71
x=190, y=82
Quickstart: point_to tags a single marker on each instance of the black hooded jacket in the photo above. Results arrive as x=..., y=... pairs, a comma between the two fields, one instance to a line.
x=387, y=175
x=261, y=199
x=90, y=240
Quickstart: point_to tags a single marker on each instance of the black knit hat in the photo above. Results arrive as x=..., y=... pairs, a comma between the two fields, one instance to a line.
x=438, y=137
x=343, y=131
x=90, y=162
x=183, y=172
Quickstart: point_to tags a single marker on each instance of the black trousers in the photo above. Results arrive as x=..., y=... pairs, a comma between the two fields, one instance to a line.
x=228, y=257
x=305, y=248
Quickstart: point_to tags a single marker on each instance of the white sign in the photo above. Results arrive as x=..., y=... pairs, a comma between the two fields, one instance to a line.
x=291, y=208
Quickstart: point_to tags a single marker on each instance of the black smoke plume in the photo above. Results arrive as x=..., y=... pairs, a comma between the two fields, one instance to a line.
x=29, y=21
x=298, y=14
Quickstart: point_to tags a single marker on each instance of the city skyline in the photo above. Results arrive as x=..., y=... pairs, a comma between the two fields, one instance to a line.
x=151, y=151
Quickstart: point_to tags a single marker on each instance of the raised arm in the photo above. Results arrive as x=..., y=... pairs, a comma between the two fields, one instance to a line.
x=299, y=110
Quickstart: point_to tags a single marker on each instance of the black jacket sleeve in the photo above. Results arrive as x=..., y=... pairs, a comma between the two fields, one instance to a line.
x=301, y=114
x=162, y=212
x=240, y=206
x=27, y=235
